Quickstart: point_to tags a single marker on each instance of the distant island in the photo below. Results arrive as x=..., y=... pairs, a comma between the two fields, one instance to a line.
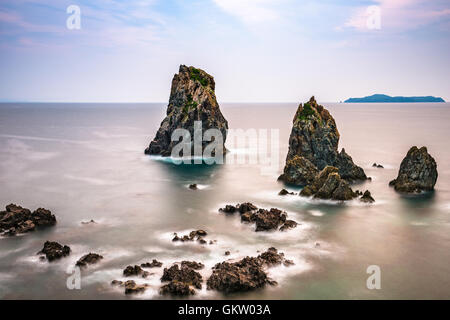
x=385, y=98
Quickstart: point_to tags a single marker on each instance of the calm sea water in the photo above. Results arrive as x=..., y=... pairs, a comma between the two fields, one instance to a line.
x=86, y=161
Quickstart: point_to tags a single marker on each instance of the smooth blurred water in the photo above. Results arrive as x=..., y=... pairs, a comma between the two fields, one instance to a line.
x=86, y=161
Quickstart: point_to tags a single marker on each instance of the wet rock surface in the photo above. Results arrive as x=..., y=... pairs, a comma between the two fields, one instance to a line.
x=246, y=274
x=284, y=192
x=193, y=186
x=313, y=145
x=264, y=220
x=418, y=172
x=192, y=264
x=192, y=98
x=195, y=235
x=53, y=250
x=182, y=280
x=367, y=197
x=90, y=258
x=18, y=220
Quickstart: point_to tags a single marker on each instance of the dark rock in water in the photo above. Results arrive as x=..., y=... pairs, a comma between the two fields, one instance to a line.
x=184, y=274
x=193, y=235
x=192, y=264
x=288, y=224
x=298, y=171
x=375, y=165
x=90, y=258
x=227, y=253
x=192, y=98
x=135, y=271
x=88, y=222
x=264, y=219
x=177, y=288
x=284, y=192
x=269, y=220
x=228, y=209
x=418, y=172
x=313, y=145
x=380, y=166
x=117, y=283
x=358, y=193
x=193, y=186
x=245, y=275
x=328, y=184
x=54, y=250
x=154, y=264
x=131, y=287
x=17, y=220
x=367, y=197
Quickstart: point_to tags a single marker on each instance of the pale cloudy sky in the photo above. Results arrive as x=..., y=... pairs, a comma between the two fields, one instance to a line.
x=257, y=50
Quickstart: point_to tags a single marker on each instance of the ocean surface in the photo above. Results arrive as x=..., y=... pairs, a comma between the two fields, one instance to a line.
x=86, y=161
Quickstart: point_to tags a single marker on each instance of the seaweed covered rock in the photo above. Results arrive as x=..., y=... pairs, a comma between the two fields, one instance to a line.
x=90, y=258
x=418, y=172
x=17, y=220
x=192, y=98
x=53, y=250
x=329, y=185
x=313, y=145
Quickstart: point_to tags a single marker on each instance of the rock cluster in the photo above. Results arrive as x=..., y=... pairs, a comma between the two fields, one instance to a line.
x=246, y=274
x=418, y=172
x=90, y=258
x=154, y=264
x=54, y=250
x=16, y=220
x=193, y=235
x=375, y=165
x=136, y=270
x=192, y=98
x=182, y=280
x=265, y=220
x=313, y=145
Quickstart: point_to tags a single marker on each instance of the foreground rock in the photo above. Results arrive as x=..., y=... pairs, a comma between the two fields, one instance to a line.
x=192, y=98
x=313, y=145
x=130, y=286
x=17, y=220
x=245, y=275
x=265, y=220
x=418, y=172
x=193, y=235
x=367, y=197
x=284, y=192
x=182, y=280
x=90, y=258
x=54, y=250
x=329, y=185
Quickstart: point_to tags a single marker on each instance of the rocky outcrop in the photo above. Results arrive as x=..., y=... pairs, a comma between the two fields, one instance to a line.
x=367, y=197
x=192, y=264
x=130, y=286
x=379, y=166
x=313, y=145
x=17, y=220
x=192, y=98
x=265, y=220
x=284, y=192
x=245, y=275
x=328, y=184
x=182, y=280
x=54, y=250
x=418, y=172
x=90, y=258
x=193, y=235
x=154, y=264
x=136, y=270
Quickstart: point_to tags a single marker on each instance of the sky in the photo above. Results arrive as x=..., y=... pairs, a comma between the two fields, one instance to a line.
x=257, y=50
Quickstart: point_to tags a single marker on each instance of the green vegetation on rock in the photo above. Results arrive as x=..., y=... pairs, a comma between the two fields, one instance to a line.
x=306, y=111
x=197, y=76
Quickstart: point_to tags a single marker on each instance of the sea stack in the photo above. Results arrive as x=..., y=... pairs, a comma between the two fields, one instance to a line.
x=313, y=145
x=418, y=172
x=192, y=98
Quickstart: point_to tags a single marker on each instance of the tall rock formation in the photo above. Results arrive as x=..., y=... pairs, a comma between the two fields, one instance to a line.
x=313, y=145
x=418, y=172
x=192, y=98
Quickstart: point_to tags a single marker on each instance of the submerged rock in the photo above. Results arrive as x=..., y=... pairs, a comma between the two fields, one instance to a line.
x=265, y=220
x=90, y=258
x=418, y=172
x=193, y=186
x=192, y=98
x=54, y=250
x=367, y=197
x=154, y=264
x=313, y=145
x=328, y=184
x=17, y=220
x=245, y=275
x=284, y=192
